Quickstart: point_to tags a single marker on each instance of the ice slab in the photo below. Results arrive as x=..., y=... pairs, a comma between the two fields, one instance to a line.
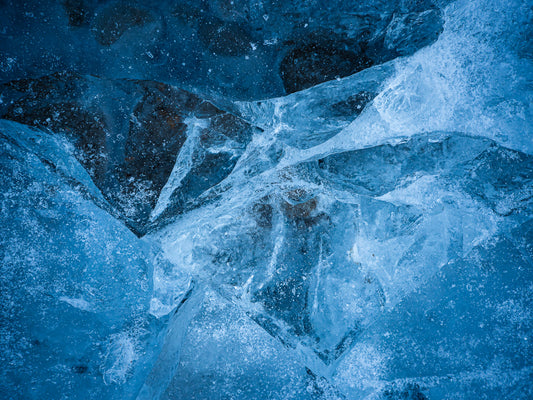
x=76, y=283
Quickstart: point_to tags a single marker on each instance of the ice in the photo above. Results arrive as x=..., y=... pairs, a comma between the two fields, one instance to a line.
x=76, y=283
x=230, y=48
x=448, y=86
x=311, y=116
x=353, y=220
x=128, y=135
x=457, y=321
x=333, y=252
x=259, y=199
x=227, y=354
x=169, y=356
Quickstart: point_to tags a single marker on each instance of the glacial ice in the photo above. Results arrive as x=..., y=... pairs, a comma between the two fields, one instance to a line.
x=239, y=215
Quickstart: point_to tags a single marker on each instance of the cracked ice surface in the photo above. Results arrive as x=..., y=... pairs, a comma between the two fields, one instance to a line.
x=370, y=249
x=367, y=237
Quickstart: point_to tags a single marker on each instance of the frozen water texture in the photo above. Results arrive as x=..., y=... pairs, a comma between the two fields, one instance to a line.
x=367, y=237
x=75, y=282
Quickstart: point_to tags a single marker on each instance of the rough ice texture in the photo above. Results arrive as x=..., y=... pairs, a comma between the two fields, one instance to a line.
x=250, y=201
x=128, y=133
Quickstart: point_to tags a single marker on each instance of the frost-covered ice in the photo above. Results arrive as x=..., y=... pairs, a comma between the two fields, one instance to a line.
x=75, y=281
x=322, y=235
